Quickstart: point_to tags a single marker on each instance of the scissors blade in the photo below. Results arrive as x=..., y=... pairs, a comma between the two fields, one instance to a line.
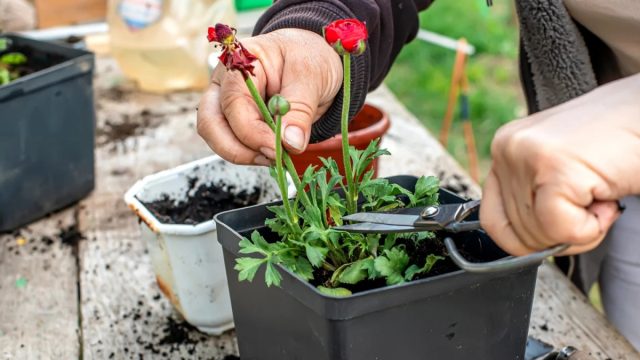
x=383, y=218
x=371, y=228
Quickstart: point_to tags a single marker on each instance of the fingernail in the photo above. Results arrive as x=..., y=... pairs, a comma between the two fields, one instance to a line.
x=268, y=153
x=294, y=136
x=262, y=160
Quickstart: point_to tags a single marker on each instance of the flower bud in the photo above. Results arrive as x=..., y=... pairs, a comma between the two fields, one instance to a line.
x=278, y=105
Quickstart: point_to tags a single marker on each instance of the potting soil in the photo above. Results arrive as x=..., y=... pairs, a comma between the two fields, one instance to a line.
x=202, y=204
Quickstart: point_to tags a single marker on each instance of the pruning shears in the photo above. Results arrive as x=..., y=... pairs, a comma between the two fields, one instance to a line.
x=447, y=218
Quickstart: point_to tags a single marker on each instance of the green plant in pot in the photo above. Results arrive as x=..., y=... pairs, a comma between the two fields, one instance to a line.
x=335, y=295
x=10, y=63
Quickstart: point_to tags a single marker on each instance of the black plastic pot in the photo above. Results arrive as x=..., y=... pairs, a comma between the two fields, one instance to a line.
x=47, y=122
x=459, y=315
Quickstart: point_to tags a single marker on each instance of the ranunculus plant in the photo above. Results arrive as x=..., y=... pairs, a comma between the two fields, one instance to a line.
x=304, y=240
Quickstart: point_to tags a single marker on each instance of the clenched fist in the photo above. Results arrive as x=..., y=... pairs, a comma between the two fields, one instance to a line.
x=557, y=175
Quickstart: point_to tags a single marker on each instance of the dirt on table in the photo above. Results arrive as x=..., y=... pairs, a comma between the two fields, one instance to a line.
x=127, y=126
x=202, y=204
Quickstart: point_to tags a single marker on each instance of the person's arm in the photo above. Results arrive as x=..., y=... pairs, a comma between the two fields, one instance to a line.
x=556, y=175
x=297, y=63
x=391, y=24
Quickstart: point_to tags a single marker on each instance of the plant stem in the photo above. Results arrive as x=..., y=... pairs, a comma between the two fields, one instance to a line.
x=262, y=106
x=282, y=181
x=264, y=110
x=348, y=172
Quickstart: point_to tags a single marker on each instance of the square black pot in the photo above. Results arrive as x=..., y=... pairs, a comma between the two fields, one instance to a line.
x=458, y=315
x=47, y=122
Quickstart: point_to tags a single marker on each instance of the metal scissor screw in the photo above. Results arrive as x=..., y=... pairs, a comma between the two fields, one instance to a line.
x=430, y=211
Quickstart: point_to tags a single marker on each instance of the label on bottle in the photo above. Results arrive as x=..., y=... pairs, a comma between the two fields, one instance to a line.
x=139, y=14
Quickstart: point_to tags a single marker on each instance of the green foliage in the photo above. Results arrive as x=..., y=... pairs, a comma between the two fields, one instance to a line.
x=5, y=76
x=421, y=75
x=392, y=265
x=9, y=62
x=311, y=243
x=13, y=58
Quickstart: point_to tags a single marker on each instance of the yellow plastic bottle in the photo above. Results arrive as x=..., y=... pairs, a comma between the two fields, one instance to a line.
x=161, y=44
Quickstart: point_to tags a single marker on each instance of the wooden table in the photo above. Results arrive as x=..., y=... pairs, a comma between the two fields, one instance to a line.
x=79, y=283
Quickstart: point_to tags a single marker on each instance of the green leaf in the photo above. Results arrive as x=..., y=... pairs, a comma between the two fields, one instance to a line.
x=335, y=292
x=411, y=272
x=426, y=192
x=373, y=242
x=303, y=268
x=4, y=44
x=257, y=244
x=5, y=76
x=392, y=265
x=272, y=276
x=431, y=260
x=248, y=267
x=13, y=58
x=315, y=254
x=355, y=272
x=414, y=270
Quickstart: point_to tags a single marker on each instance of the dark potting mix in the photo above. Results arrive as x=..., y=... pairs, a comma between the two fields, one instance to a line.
x=201, y=203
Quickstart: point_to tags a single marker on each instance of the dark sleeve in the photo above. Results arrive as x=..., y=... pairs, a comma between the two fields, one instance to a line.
x=391, y=24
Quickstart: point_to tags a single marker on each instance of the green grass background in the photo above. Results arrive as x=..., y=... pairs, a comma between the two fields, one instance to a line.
x=421, y=76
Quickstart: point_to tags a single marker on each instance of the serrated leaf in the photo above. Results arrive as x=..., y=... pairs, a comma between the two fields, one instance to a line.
x=373, y=242
x=315, y=254
x=392, y=265
x=303, y=268
x=248, y=267
x=431, y=260
x=426, y=191
x=335, y=292
x=354, y=273
x=413, y=270
x=257, y=244
x=271, y=275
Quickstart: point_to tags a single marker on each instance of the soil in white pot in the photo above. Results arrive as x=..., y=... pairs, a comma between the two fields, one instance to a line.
x=202, y=203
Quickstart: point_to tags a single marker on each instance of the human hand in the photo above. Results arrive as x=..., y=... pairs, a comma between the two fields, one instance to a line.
x=299, y=65
x=556, y=175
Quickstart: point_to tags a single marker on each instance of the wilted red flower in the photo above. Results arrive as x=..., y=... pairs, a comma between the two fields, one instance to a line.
x=347, y=36
x=234, y=56
x=239, y=59
x=222, y=34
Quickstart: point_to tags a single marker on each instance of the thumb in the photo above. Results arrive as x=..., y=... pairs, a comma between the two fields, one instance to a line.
x=296, y=124
x=606, y=212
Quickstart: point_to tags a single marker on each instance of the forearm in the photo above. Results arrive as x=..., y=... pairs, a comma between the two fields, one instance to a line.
x=391, y=24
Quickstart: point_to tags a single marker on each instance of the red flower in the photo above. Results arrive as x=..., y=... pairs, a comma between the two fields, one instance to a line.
x=223, y=34
x=239, y=59
x=347, y=36
x=234, y=56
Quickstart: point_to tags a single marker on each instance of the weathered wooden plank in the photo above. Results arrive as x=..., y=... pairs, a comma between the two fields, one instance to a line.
x=563, y=316
x=38, y=291
x=124, y=314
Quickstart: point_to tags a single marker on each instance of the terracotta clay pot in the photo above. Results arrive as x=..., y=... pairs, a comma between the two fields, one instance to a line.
x=369, y=124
